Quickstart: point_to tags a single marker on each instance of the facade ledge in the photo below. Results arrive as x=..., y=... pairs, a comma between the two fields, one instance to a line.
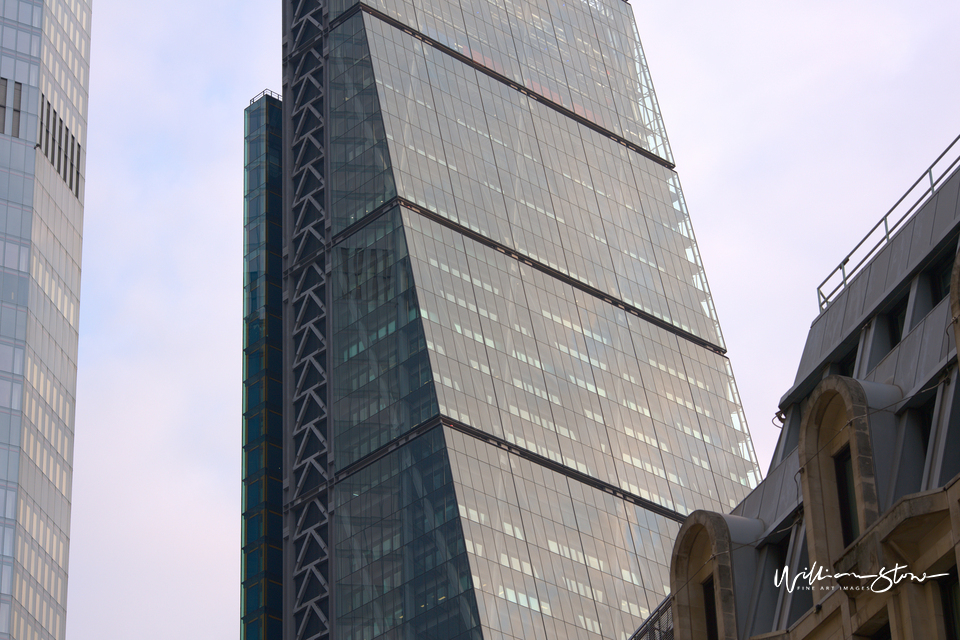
x=915, y=533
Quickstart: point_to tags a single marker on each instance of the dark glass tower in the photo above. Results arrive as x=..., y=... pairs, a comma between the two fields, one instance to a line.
x=262, y=545
x=504, y=382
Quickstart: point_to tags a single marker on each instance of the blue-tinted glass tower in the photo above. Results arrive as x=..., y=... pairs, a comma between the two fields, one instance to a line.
x=505, y=383
x=262, y=531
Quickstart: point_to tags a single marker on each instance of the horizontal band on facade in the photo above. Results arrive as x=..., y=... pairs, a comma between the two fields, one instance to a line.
x=513, y=449
x=530, y=262
x=573, y=115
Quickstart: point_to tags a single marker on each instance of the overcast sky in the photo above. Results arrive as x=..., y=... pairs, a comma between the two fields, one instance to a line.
x=795, y=126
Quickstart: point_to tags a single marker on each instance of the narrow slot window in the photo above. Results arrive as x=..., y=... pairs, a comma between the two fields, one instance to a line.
x=896, y=321
x=73, y=146
x=46, y=144
x=940, y=279
x=710, y=609
x=846, y=495
x=66, y=153
x=59, y=145
x=3, y=104
x=889, y=329
x=17, y=95
x=847, y=364
x=76, y=184
x=950, y=599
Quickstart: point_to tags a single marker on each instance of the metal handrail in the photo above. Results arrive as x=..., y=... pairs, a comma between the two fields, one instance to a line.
x=842, y=274
x=266, y=92
x=650, y=629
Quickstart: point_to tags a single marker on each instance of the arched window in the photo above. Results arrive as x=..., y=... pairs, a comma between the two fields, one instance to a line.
x=840, y=488
x=701, y=574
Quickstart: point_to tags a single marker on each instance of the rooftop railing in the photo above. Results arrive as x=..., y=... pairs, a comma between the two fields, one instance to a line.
x=266, y=92
x=906, y=206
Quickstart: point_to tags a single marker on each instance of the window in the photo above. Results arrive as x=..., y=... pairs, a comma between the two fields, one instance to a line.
x=17, y=95
x=710, y=609
x=801, y=600
x=896, y=319
x=916, y=425
x=933, y=284
x=701, y=568
x=847, y=364
x=73, y=144
x=839, y=486
x=76, y=184
x=888, y=330
x=3, y=104
x=59, y=144
x=849, y=523
x=939, y=278
x=950, y=598
x=925, y=415
x=46, y=126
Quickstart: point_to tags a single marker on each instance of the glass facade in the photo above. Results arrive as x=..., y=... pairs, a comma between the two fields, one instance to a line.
x=530, y=359
x=402, y=562
x=382, y=382
x=551, y=557
x=360, y=176
x=44, y=72
x=262, y=531
x=528, y=383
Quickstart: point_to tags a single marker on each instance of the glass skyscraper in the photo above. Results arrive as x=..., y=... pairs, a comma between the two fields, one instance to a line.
x=262, y=530
x=44, y=76
x=504, y=382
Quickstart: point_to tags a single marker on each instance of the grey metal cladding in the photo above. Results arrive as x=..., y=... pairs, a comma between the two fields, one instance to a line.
x=307, y=507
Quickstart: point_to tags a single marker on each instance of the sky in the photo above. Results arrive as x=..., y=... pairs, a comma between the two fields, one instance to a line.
x=795, y=127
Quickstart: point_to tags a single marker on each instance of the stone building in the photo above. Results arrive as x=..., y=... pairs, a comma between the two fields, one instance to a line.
x=854, y=532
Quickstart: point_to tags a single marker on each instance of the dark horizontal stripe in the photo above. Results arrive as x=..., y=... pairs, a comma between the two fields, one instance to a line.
x=526, y=454
x=530, y=262
x=573, y=282
x=343, y=17
x=573, y=115
x=573, y=474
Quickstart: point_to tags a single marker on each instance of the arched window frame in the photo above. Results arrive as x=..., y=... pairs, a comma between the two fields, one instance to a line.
x=703, y=550
x=837, y=418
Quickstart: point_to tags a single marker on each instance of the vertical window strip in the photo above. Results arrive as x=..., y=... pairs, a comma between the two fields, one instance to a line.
x=59, y=144
x=3, y=104
x=710, y=609
x=66, y=153
x=67, y=162
x=73, y=146
x=950, y=599
x=46, y=145
x=17, y=94
x=40, y=127
x=76, y=184
x=846, y=494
